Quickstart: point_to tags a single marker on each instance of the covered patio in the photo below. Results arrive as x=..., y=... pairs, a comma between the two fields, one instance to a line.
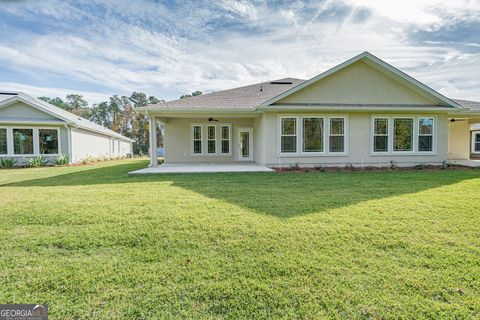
x=202, y=168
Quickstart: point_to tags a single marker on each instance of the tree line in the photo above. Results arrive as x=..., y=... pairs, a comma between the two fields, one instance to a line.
x=118, y=114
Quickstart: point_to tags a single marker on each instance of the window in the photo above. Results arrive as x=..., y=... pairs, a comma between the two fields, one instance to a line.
x=23, y=141
x=312, y=135
x=211, y=139
x=402, y=134
x=337, y=135
x=380, y=134
x=225, y=139
x=3, y=141
x=476, y=142
x=197, y=139
x=425, y=134
x=288, y=135
x=48, y=140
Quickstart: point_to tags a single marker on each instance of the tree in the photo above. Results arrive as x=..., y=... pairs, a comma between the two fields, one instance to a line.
x=55, y=101
x=77, y=105
x=193, y=94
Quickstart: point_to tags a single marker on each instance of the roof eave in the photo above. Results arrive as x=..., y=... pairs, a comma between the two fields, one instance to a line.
x=293, y=108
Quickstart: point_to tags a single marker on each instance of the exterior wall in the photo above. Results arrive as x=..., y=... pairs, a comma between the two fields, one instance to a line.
x=459, y=140
x=358, y=83
x=358, y=144
x=178, y=139
x=90, y=144
x=21, y=110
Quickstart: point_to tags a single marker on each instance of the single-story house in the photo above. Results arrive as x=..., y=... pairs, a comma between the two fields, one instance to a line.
x=363, y=112
x=30, y=127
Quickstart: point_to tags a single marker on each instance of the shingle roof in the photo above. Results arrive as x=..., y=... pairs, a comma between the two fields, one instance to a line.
x=67, y=116
x=247, y=97
x=472, y=105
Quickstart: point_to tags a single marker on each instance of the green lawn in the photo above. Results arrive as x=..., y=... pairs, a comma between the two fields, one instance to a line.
x=94, y=243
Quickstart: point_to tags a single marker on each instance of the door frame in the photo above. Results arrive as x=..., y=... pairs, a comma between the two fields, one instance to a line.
x=250, y=143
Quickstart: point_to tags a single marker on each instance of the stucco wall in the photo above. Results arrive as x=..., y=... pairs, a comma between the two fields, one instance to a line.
x=359, y=145
x=459, y=140
x=358, y=83
x=178, y=144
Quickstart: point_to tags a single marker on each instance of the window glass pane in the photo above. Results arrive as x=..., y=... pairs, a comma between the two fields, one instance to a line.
x=336, y=126
x=425, y=143
x=477, y=137
x=211, y=146
x=48, y=139
x=23, y=141
x=381, y=126
x=336, y=144
x=225, y=132
x=289, y=125
x=225, y=146
x=380, y=144
x=289, y=144
x=197, y=146
x=403, y=135
x=3, y=141
x=313, y=135
x=197, y=132
x=425, y=126
x=211, y=132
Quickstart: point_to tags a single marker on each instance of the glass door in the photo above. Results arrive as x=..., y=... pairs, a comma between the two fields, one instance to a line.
x=245, y=144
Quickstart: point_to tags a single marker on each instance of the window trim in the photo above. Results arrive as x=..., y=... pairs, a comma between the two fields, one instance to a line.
x=58, y=139
x=344, y=135
x=414, y=151
x=373, y=135
x=215, y=140
x=474, y=135
x=326, y=147
x=192, y=139
x=204, y=139
x=7, y=136
x=418, y=135
x=297, y=135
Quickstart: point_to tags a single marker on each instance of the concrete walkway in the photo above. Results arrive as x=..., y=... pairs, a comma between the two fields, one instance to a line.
x=467, y=163
x=203, y=168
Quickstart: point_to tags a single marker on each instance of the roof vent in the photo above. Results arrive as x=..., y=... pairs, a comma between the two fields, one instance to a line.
x=281, y=82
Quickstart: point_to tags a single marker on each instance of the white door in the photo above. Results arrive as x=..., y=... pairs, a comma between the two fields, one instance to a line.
x=245, y=144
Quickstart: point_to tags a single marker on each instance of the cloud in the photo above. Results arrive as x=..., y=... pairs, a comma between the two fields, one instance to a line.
x=175, y=48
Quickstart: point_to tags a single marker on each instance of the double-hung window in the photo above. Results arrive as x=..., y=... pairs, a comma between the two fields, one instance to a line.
x=312, y=134
x=225, y=141
x=403, y=134
x=476, y=142
x=288, y=135
x=211, y=139
x=337, y=135
x=425, y=134
x=48, y=140
x=380, y=135
x=3, y=141
x=197, y=139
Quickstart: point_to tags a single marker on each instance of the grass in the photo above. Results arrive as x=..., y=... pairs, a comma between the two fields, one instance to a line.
x=92, y=242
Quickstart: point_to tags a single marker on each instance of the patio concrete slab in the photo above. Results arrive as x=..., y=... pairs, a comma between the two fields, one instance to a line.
x=202, y=168
x=467, y=163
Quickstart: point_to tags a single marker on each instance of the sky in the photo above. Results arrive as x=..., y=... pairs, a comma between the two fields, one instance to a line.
x=98, y=48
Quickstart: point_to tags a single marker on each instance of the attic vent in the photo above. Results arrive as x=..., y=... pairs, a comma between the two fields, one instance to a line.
x=281, y=82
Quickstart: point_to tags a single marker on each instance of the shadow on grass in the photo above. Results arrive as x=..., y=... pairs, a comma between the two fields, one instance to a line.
x=281, y=195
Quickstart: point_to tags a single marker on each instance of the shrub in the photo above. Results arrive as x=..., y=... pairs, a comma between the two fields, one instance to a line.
x=7, y=163
x=393, y=165
x=62, y=160
x=39, y=161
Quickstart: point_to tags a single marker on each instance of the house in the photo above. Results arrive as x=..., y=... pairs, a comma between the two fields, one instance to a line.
x=30, y=127
x=363, y=112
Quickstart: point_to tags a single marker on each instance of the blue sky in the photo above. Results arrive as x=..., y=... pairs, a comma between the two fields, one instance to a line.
x=98, y=48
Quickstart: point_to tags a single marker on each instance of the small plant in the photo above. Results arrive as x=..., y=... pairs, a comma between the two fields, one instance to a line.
x=62, y=160
x=393, y=165
x=140, y=153
x=295, y=166
x=39, y=161
x=448, y=165
x=350, y=166
x=7, y=163
x=320, y=168
x=420, y=166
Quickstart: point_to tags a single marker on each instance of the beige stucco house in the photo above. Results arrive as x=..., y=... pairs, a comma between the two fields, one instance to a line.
x=363, y=112
x=30, y=127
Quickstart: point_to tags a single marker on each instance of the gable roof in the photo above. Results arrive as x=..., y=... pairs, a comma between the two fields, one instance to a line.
x=7, y=99
x=382, y=66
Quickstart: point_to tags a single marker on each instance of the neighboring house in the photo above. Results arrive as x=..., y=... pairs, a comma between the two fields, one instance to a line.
x=363, y=112
x=30, y=127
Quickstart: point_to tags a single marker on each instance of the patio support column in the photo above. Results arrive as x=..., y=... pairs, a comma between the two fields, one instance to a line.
x=153, y=141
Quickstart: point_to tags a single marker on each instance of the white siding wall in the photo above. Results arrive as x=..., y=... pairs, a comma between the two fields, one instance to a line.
x=89, y=144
